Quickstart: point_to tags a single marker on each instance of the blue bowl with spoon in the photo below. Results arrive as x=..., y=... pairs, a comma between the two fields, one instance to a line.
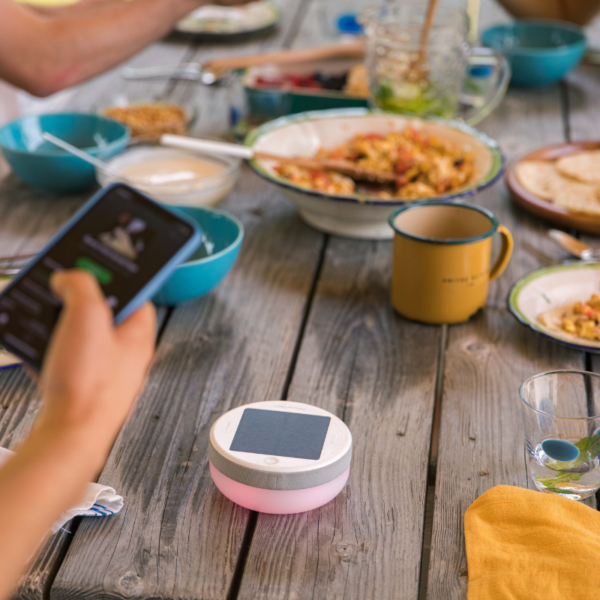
x=540, y=52
x=50, y=169
x=214, y=258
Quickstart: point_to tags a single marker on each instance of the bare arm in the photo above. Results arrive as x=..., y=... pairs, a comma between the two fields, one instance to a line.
x=92, y=374
x=44, y=53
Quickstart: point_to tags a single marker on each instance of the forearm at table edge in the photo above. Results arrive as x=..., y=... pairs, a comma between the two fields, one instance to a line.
x=45, y=478
x=44, y=54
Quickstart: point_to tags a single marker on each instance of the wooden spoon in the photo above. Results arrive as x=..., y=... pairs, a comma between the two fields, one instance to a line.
x=339, y=166
x=355, y=49
x=213, y=70
x=425, y=34
x=344, y=167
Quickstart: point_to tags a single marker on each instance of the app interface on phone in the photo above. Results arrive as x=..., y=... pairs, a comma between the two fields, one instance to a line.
x=123, y=240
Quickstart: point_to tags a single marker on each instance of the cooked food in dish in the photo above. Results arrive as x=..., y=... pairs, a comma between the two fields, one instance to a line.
x=577, y=319
x=354, y=82
x=425, y=166
x=583, y=166
x=357, y=81
x=150, y=119
x=571, y=182
x=539, y=177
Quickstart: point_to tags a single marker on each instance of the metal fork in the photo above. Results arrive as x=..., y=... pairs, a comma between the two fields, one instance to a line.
x=541, y=256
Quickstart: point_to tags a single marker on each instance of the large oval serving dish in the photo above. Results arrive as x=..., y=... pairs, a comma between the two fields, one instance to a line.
x=354, y=215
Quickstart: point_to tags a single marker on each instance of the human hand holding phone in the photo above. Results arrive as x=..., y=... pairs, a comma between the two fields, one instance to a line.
x=91, y=376
x=127, y=241
x=93, y=370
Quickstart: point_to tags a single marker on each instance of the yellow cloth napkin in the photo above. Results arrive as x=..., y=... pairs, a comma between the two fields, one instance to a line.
x=527, y=545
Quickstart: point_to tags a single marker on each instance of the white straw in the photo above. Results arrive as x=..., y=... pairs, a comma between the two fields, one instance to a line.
x=100, y=164
x=208, y=146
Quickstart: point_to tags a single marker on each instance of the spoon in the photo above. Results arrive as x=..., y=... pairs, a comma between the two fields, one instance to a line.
x=339, y=166
x=425, y=35
x=100, y=164
x=213, y=71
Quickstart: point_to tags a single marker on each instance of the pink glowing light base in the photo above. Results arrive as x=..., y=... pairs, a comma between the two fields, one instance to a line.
x=278, y=502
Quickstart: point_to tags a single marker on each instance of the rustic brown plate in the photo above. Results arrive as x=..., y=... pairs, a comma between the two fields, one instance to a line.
x=542, y=208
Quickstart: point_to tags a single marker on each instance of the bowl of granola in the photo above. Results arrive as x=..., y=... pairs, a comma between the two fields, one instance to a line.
x=147, y=118
x=430, y=159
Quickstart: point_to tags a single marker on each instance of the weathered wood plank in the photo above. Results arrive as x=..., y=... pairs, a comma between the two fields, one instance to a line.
x=28, y=218
x=26, y=222
x=97, y=93
x=376, y=371
x=481, y=441
x=177, y=537
x=583, y=87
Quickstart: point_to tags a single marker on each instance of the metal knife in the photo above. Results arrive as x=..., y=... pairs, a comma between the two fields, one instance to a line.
x=574, y=246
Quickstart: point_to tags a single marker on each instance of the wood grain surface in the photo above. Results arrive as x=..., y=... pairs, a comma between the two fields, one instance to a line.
x=481, y=440
x=177, y=536
x=434, y=412
x=375, y=371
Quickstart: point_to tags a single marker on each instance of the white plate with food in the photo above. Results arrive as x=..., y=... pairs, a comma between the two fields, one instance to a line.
x=562, y=303
x=433, y=160
x=229, y=22
x=560, y=184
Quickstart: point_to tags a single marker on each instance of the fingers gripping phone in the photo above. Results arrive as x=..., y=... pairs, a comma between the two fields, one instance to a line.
x=127, y=241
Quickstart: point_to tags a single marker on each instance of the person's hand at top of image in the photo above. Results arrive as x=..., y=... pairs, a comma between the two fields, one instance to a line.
x=92, y=373
x=44, y=52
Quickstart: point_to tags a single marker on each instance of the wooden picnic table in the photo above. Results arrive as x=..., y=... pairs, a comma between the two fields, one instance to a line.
x=305, y=316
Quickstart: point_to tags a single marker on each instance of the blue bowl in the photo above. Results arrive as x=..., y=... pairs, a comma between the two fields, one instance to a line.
x=222, y=239
x=50, y=169
x=540, y=52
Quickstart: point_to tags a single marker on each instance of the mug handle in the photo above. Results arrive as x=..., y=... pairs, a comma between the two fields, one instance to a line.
x=505, y=253
x=486, y=85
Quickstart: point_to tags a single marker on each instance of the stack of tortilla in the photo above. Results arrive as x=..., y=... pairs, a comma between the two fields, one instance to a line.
x=572, y=182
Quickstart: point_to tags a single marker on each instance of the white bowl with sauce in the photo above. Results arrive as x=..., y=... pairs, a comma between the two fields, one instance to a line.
x=174, y=176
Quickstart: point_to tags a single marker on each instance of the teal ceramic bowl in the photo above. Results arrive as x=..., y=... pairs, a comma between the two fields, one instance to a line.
x=221, y=242
x=51, y=169
x=540, y=52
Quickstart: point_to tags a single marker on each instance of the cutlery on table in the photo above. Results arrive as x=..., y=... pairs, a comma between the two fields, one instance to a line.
x=245, y=152
x=212, y=71
x=573, y=246
x=16, y=258
x=96, y=162
x=541, y=256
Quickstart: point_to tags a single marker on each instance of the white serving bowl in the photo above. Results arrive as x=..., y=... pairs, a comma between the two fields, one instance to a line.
x=209, y=191
x=353, y=215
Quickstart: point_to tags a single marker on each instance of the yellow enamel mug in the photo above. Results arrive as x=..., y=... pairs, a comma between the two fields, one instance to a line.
x=442, y=256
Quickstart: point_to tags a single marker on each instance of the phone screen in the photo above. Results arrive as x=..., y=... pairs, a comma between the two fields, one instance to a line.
x=124, y=239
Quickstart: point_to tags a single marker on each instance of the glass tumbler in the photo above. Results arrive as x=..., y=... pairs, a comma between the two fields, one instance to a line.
x=423, y=71
x=562, y=432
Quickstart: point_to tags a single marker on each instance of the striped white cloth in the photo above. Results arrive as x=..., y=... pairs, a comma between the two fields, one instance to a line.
x=98, y=501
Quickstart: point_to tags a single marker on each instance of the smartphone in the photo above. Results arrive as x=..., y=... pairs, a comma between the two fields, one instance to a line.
x=127, y=241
